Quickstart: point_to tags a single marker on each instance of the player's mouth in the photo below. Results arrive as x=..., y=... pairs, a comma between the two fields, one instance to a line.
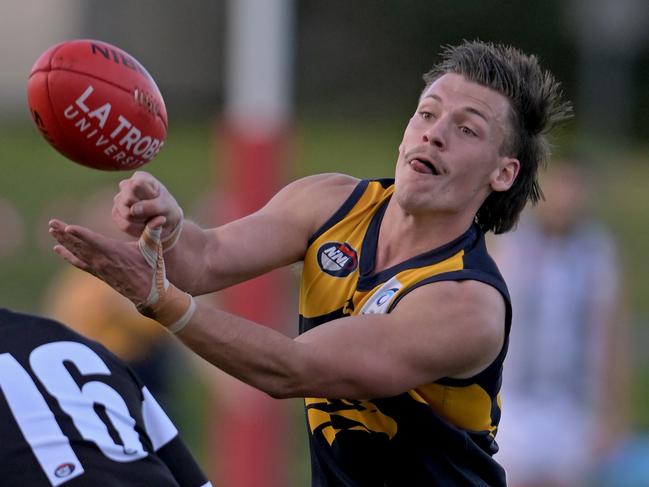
x=425, y=166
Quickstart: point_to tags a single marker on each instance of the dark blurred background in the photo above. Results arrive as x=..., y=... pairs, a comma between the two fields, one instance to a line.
x=356, y=72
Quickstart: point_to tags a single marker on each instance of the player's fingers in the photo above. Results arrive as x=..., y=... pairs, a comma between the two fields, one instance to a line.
x=57, y=230
x=68, y=256
x=122, y=216
x=142, y=175
x=156, y=222
x=68, y=240
x=125, y=196
x=141, y=185
x=145, y=186
x=120, y=199
x=85, y=244
x=73, y=249
x=132, y=194
x=90, y=240
x=119, y=211
x=147, y=209
x=56, y=225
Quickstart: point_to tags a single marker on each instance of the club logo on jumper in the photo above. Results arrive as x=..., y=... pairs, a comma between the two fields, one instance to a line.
x=64, y=470
x=337, y=259
x=380, y=300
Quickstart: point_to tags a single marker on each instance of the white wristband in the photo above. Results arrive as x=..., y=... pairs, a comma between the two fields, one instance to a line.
x=184, y=319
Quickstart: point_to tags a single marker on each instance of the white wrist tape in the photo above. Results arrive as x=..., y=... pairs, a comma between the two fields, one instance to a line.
x=166, y=303
x=171, y=240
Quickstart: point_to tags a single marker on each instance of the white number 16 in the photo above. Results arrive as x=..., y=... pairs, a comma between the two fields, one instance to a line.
x=36, y=421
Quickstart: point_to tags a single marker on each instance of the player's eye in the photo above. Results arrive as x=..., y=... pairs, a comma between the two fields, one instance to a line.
x=467, y=131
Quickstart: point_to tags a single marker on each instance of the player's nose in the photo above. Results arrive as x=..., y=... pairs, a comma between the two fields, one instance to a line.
x=436, y=133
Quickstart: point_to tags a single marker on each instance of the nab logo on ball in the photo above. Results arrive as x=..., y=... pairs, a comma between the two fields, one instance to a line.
x=337, y=259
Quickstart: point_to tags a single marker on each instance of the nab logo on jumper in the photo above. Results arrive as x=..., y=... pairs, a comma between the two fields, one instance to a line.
x=337, y=259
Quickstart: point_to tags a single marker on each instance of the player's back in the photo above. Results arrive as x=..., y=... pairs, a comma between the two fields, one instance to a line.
x=73, y=414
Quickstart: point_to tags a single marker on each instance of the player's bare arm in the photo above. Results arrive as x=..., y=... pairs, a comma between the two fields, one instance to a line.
x=206, y=260
x=452, y=329
x=446, y=329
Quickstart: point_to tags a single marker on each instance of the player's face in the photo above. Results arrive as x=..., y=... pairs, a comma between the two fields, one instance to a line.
x=449, y=158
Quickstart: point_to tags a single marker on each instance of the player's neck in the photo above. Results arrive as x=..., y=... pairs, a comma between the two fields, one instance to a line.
x=403, y=236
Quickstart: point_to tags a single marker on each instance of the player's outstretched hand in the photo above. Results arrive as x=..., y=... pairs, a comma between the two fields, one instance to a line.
x=119, y=264
x=141, y=198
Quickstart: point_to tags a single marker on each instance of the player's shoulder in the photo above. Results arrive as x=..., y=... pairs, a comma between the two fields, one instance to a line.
x=323, y=190
x=31, y=324
x=326, y=184
x=467, y=294
x=14, y=319
x=308, y=201
x=322, y=194
x=7, y=315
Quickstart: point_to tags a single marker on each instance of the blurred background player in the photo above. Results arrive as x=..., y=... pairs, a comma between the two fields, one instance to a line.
x=73, y=414
x=565, y=378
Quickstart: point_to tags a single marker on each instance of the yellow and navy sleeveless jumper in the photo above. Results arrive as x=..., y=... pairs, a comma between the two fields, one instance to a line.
x=439, y=434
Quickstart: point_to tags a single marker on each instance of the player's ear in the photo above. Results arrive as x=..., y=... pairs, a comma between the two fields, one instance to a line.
x=504, y=175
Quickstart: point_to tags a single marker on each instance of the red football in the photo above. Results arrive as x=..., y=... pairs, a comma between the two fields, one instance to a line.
x=97, y=105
